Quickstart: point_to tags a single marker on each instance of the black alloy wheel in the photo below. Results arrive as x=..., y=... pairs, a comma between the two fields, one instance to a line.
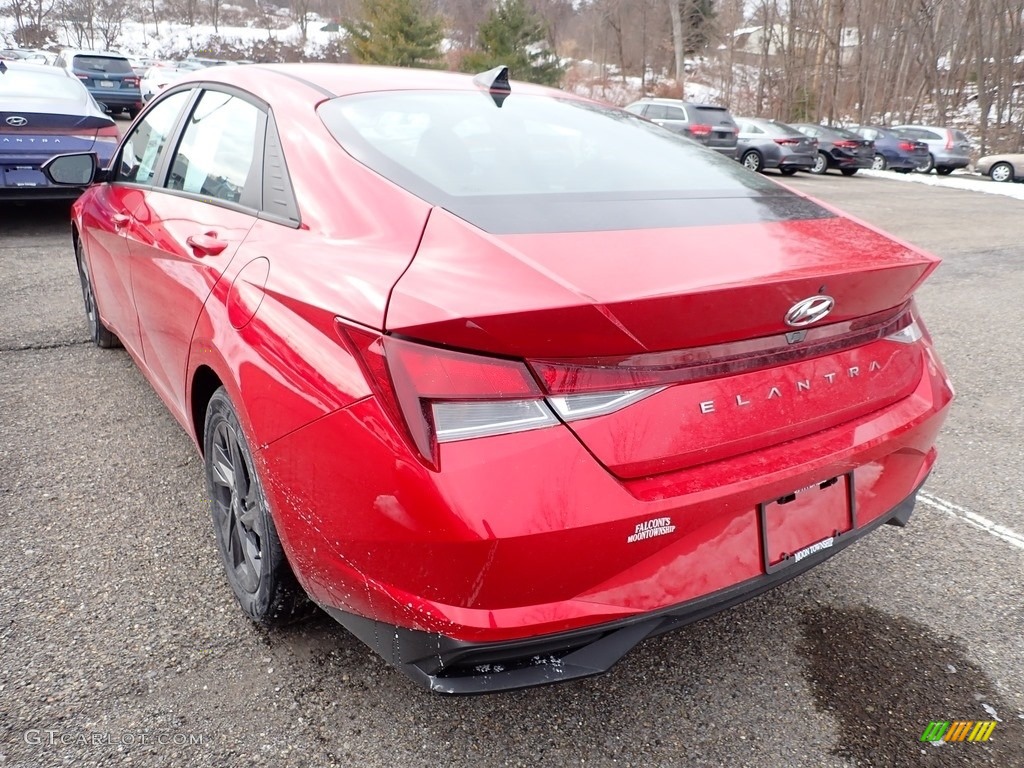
x=247, y=539
x=99, y=334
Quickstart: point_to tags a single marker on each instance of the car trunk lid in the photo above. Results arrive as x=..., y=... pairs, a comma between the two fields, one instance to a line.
x=581, y=306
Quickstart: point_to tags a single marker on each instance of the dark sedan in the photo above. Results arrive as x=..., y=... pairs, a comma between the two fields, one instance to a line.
x=838, y=148
x=892, y=151
x=44, y=111
x=771, y=144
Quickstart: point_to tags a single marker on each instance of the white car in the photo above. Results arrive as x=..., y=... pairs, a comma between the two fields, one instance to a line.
x=159, y=77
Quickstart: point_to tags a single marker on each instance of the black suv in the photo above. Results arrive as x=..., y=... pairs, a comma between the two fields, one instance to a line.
x=709, y=124
x=108, y=76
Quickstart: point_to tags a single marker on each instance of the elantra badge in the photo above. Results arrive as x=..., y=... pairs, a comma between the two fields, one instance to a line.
x=809, y=310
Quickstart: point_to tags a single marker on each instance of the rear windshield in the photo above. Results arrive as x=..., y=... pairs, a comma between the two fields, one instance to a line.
x=535, y=163
x=108, y=64
x=22, y=83
x=720, y=115
x=845, y=134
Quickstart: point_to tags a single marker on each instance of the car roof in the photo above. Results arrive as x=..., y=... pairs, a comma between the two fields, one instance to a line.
x=38, y=70
x=332, y=80
x=84, y=52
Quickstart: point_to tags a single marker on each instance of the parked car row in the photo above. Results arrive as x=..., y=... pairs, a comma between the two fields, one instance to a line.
x=762, y=144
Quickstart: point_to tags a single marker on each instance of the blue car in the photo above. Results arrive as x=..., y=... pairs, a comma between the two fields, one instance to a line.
x=108, y=76
x=45, y=111
x=892, y=151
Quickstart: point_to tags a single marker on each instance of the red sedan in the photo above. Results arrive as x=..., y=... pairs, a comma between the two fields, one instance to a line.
x=504, y=380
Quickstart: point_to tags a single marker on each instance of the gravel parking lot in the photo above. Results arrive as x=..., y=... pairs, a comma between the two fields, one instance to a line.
x=122, y=645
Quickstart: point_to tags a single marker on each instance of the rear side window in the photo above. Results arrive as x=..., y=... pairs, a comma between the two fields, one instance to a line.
x=145, y=145
x=218, y=147
x=108, y=64
x=961, y=136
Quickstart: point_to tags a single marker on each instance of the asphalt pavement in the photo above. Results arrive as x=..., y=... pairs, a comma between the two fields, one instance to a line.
x=120, y=643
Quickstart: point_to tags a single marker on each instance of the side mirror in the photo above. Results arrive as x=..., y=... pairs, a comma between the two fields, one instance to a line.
x=76, y=170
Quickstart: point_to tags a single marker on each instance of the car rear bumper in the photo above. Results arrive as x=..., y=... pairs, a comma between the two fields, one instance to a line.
x=525, y=539
x=445, y=665
x=845, y=161
x=115, y=98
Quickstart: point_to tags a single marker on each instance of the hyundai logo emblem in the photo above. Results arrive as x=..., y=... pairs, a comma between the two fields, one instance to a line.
x=16, y=121
x=809, y=310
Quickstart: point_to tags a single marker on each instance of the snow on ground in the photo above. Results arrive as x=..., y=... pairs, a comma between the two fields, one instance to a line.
x=966, y=182
x=178, y=40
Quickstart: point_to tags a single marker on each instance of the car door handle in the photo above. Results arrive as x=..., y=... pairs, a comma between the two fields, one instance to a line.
x=206, y=245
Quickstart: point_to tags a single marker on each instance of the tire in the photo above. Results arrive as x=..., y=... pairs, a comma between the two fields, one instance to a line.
x=100, y=335
x=132, y=113
x=943, y=170
x=752, y=161
x=820, y=167
x=1002, y=172
x=788, y=171
x=849, y=171
x=247, y=541
x=879, y=163
x=926, y=166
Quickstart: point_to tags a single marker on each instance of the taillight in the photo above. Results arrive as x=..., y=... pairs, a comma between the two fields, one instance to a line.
x=132, y=81
x=108, y=132
x=439, y=395
x=847, y=144
x=700, y=130
x=949, y=139
x=908, y=146
x=787, y=142
x=81, y=77
x=653, y=370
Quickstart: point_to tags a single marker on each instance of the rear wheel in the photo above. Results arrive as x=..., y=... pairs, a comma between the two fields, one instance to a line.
x=848, y=171
x=247, y=539
x=132, y=113
x=1001, y=172
x=820, y=164
x=752, y=161
x=99, y=333
x=879, y=164
x=943, y=170
x=787, y=171
x=926, y=165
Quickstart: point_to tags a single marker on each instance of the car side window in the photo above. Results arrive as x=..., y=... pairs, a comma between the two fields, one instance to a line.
x=751, y=128
x=218, y=146
x=656, y=112
x=675, y=113
x=145, y=144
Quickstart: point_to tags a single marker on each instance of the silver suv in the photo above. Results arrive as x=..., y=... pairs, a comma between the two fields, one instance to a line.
x=948, y=148
x=709, y=124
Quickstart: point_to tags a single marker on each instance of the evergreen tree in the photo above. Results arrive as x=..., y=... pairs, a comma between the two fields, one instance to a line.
x=513, y=36
x=397, y=33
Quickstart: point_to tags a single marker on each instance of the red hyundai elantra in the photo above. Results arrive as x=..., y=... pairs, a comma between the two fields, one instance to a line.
x=505, y=380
